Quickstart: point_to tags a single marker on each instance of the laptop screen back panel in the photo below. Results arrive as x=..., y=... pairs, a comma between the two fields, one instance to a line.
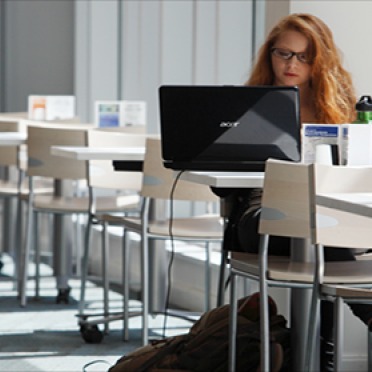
x=228, y=127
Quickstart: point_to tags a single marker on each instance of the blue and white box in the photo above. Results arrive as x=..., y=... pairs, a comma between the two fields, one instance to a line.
x=358, y=144
x=316, y=134
x=112, y=114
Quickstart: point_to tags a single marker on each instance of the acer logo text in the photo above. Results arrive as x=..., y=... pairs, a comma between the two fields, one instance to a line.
x=229, y=124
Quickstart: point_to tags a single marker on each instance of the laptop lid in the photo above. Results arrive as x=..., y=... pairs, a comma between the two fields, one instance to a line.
x=228, y=127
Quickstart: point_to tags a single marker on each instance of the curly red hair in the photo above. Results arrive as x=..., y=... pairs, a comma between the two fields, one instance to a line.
x=332, y=86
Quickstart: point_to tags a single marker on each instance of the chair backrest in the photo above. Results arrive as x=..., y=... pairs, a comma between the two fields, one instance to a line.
x=134, y=129
x=343, y=229
x=159, y=181
x=41, y=162
x=289, y=206
x=12, y=116
x=67, y=123
x=17, y=122
x=9, y=155
x=101, y=172
x=287, y=199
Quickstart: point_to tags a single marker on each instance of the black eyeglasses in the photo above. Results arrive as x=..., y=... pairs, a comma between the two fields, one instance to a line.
x=288, y=54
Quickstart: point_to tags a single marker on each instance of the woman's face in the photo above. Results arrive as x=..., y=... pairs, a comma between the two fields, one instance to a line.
x=291, y=71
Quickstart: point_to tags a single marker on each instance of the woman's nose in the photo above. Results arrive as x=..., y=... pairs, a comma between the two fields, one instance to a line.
x=293, y=61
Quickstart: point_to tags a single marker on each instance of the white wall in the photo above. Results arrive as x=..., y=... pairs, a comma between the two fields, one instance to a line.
x=126, y=50
x=96, y=54
x=351, y=24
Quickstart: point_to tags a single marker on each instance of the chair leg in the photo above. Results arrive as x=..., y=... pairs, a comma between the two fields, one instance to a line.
x=369, y=346
x=84, y=265
x=37, y=255
x=312, y=332
x=265, y=329
x=264, y=307
x=126, y=285
x=207, y=277
x=221, y=279
x=145, y=289
x=338, y=330
x=105, y=260
x=77, y=243
x=18, y=233
x=233, y=322
x=25, y=257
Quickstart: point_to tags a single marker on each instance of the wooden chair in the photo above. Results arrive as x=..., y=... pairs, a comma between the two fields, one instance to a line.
x=286, y=191
x=289, y=209
x=14, y=187
x=10, y=186
x=349, y=227
x=101, y=176
x=160, y=184
x=42, y=163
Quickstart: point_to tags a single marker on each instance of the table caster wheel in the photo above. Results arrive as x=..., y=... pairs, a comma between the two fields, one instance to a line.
x=91, y=334
x=63, y=296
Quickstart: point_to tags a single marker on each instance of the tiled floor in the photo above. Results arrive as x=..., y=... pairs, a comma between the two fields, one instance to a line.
x=45, y=336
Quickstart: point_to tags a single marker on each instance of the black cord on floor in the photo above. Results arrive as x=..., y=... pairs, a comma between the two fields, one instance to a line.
x=171, y=259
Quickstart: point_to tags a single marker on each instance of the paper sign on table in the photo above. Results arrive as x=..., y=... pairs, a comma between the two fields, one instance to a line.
x=358, y=147
x=111, y=114
x=51, y=107
x=316, y=134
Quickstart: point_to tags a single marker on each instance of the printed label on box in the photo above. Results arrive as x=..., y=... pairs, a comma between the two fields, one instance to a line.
x=315, y=134
x=134, y=112
x=108, y=115
x=37, y=107
x=51, y=107
x=111, y=114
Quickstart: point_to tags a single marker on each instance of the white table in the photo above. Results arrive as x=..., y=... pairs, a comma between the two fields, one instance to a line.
x=300, y=300
x=357, y=203
x=226, y=179
x=12, y=138
x=132, y=157
x=100, y=153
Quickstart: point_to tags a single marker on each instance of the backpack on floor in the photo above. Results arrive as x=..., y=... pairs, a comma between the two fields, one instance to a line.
x=205, y=347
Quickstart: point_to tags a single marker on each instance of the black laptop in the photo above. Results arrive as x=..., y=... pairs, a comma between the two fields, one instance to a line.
x=228, y=128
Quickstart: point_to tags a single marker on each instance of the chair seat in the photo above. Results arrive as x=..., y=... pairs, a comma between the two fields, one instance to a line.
x=10, y=189
x=283, y=269
x=347, y=292
x=81, y=205
x=195, y=228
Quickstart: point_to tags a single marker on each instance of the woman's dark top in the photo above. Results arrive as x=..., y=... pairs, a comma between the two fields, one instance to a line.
x=241, y=233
